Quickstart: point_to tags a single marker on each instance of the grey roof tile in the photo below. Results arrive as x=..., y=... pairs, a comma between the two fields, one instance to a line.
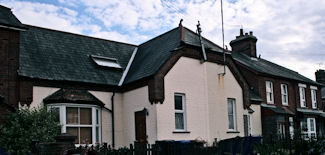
x=154, y=53
x=263, y=66
x=7, y=18
x=54, y=55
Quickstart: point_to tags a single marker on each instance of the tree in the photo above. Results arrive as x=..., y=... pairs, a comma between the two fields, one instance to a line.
x=25, y=125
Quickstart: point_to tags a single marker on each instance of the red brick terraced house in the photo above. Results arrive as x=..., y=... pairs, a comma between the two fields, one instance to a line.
x=290, y=101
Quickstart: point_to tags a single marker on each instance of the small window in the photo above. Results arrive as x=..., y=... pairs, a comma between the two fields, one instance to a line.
x=106, y=61
x=231, y=114
x=269, y=92
x=180, y=116
x=284, y=94
x=313, y=98
x=302, y=93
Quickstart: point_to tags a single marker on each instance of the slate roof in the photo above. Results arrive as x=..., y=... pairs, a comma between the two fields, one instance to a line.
x=72, y=96
x=7, y=18
x=152, y=54
x=263, y=66
x=54, y=55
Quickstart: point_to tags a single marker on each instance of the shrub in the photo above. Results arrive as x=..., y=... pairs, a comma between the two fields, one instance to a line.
x=25, y=125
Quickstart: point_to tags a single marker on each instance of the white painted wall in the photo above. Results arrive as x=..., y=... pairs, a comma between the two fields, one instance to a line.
x=256, y=120
x=136, y=100
x=39, y=93
x=220, y=88
x=206, y=96
x=105, y=97
x=188, y=77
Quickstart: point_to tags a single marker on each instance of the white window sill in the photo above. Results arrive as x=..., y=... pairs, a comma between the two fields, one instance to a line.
x=181, y=131
x=232, y=131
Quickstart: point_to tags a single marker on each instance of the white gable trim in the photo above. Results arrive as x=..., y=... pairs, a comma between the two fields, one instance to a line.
x=128, y=67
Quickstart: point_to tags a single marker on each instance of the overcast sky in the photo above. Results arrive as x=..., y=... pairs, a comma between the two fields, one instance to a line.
x=290, y=32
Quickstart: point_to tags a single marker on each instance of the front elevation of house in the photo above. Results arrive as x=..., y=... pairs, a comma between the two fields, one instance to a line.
x=117, y=93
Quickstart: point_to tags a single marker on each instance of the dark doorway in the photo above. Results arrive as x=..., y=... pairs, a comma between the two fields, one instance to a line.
x=140, y=127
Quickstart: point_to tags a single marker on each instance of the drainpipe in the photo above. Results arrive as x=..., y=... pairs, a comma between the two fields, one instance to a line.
x=295, y=96
x=113, y=128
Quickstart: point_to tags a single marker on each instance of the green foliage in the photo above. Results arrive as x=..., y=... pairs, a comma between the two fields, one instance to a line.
x=287, y=146
x=25, y=125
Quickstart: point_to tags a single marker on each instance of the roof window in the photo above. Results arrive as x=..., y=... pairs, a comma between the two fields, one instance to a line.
x=105, y=61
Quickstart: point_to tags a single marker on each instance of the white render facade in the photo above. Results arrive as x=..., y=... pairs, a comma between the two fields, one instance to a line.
x=205, y=108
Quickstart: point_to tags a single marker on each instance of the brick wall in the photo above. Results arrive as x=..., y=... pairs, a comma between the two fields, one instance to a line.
x=9, y=64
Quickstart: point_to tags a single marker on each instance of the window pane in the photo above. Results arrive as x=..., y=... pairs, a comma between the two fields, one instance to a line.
x=304, y=125
x=179, y=120
x=97, y=134
x=178, y=102
x=85, y=135
x=97, y=116
x=230, y=107
x=74, y=131
x=85, y=116
x=56, y=113
x=72, y=115
x=231, y=122
x=312, y=125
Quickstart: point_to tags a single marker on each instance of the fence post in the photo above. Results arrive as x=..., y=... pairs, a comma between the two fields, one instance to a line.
x=131, y=149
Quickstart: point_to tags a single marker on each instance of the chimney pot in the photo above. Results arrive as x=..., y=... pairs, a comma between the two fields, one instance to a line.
x=320, y=76
x=251, y=33
x=241, y=32
x=246, y=34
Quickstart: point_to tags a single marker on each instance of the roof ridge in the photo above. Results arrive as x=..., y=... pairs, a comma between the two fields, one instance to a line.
x=81, y=35
x=279, y=67
x=5, y=7
x=150, y=40
x=204, y=38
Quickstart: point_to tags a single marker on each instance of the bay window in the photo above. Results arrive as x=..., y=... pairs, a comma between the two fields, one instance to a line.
x=80, y=120
x=308, y=128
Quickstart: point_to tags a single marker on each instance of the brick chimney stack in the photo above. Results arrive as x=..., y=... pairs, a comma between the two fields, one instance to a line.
x=320, y=76
x=244, y=43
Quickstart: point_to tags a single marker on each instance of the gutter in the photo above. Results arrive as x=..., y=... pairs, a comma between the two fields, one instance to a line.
x=12, y=28
x=113, y=127
x=296, y=107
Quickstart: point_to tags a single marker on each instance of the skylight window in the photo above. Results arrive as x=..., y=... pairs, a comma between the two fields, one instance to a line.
x=106, y=61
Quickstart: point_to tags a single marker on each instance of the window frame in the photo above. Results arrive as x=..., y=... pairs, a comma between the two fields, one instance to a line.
x=307, y=134
x=95, y=110
x=234, y=115
x=284, y=94
x=302, y=95
x=271, y=99
x=183, y=111
x=313, y=96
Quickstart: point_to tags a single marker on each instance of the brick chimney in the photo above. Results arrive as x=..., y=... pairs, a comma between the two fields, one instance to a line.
x=320, y=76
x=245, y=43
